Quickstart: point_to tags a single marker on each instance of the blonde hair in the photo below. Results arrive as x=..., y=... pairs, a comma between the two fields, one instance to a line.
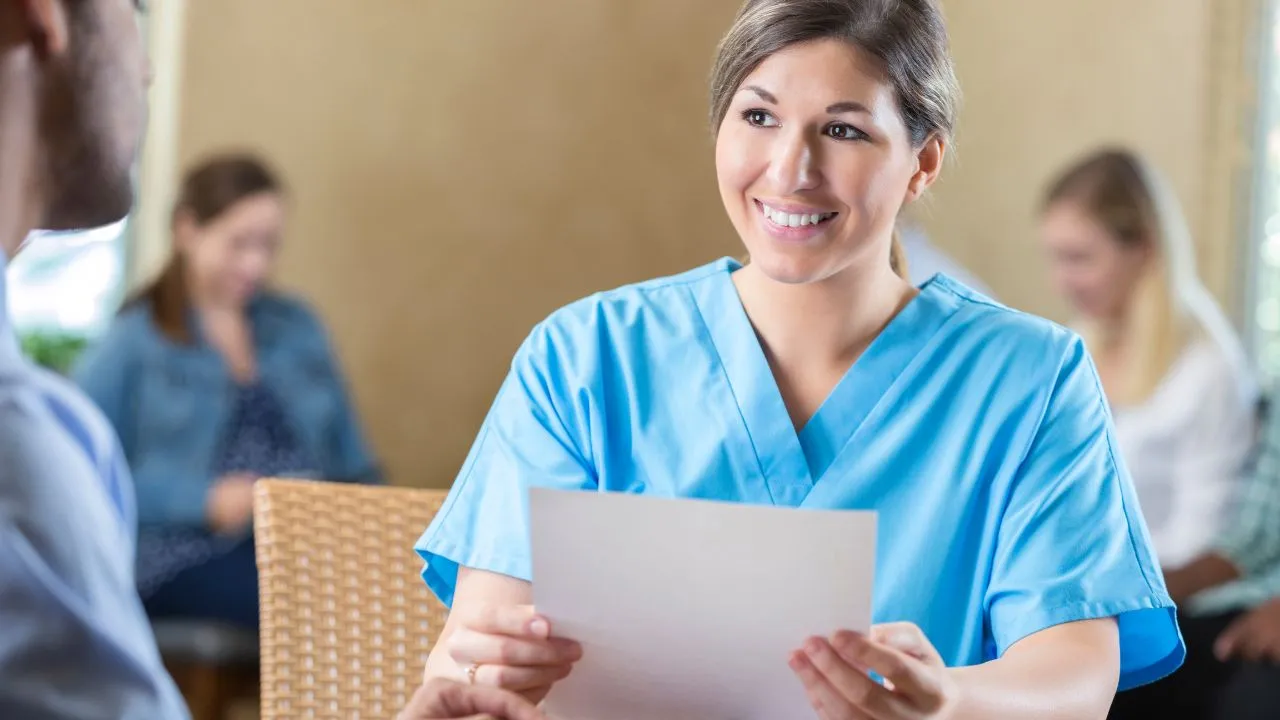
x=1169, y=308
x=907, y=37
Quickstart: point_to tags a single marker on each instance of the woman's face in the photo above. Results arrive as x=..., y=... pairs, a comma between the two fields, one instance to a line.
x=1091, y=268
x=814, y=162
x=231, y=256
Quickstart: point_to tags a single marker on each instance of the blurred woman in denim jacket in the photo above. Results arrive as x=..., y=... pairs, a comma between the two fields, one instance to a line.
x=211, y=381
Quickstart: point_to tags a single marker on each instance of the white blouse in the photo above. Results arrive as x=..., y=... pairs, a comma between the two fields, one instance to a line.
x=1187, y=447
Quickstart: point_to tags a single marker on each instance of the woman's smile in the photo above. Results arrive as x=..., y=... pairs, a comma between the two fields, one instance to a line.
x=793, y=223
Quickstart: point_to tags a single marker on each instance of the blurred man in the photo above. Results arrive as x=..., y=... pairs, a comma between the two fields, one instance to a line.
x=74, y=641
x=1230, y=618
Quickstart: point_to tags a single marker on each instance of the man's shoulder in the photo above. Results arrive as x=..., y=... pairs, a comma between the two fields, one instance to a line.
x=52, y=437
x=43, y=400
x=45, y=428
x=68, y=570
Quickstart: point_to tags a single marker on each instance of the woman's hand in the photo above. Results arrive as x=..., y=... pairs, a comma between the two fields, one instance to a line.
x=229, y=506
x=511, y=647
x=834, y=672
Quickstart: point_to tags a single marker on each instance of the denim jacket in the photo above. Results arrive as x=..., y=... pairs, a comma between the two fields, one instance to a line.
x=170, y=404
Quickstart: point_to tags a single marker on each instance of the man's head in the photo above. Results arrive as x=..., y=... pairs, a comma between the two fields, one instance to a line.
x=90, y=75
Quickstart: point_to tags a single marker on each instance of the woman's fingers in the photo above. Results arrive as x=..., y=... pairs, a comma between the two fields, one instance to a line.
x=509, y=620
x=852, y=684
x=511, y=647
x=826, y=699
x=471, y=647
x=909, y=638
x=910, y=677
x=521, y=678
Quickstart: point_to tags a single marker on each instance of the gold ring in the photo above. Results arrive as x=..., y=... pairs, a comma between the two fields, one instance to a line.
x=471, y=673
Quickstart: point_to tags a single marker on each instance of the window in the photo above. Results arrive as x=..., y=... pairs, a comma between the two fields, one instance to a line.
x=63, y=289
x=1266, y=277
x=68, y=283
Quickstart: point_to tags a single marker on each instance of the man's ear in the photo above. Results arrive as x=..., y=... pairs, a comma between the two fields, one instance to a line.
x=47, y=25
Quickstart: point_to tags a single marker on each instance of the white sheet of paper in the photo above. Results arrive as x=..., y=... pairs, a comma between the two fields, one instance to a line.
x=690, y=609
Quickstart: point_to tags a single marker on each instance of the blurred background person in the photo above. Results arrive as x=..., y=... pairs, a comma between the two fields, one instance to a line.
x=74, y=642
x=213, y=380
x=1175, y=374
x=1229, y=600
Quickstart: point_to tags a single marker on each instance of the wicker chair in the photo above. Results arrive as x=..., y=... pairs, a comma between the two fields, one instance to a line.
x=346, y=621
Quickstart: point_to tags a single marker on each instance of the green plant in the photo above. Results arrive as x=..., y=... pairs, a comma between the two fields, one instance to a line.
x=53, y=349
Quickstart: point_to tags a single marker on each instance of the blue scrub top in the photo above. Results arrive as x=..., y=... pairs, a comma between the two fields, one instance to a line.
x=979, y=434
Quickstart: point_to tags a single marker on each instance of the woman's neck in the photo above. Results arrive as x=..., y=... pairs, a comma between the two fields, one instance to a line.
x=210, y=310
x=210, y=304
x=227, y=330
x=828, y=322
x=1111, y=337
x=1111, y=345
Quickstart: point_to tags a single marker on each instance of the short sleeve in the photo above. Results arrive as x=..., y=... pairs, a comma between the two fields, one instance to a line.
x=532, y=436
x=1071, y=544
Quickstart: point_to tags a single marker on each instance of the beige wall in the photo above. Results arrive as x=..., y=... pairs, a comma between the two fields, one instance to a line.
x=462, y=168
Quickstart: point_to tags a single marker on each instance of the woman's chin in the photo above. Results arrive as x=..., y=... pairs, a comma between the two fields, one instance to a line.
x=792, y=268
x=239, y=294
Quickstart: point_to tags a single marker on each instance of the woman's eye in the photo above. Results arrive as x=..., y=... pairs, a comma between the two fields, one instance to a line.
x=841, y=131
x=759, y=118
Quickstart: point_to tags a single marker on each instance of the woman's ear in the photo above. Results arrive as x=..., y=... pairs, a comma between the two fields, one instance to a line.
x=185, y=230
x=928, y=165
x=1147, y=252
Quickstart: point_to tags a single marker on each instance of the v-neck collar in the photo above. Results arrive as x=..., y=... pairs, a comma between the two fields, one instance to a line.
x=792, y=463
x=867, y=381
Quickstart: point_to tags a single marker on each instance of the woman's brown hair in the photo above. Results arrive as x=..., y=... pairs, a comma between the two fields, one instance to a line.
x=907, y=37
x=208, y=190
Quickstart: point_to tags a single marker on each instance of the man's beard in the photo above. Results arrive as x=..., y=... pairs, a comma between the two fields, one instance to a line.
x=87, y=177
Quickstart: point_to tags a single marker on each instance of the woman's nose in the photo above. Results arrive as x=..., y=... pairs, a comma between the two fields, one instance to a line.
x=793, y=166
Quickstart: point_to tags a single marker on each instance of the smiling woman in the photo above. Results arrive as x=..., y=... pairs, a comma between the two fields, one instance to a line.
x=816, y=376
x=926, y=83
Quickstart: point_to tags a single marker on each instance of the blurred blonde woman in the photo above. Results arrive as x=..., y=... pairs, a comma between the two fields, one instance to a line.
x=1183, y=395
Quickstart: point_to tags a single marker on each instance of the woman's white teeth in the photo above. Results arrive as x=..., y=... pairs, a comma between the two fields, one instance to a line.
x=793, y=219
